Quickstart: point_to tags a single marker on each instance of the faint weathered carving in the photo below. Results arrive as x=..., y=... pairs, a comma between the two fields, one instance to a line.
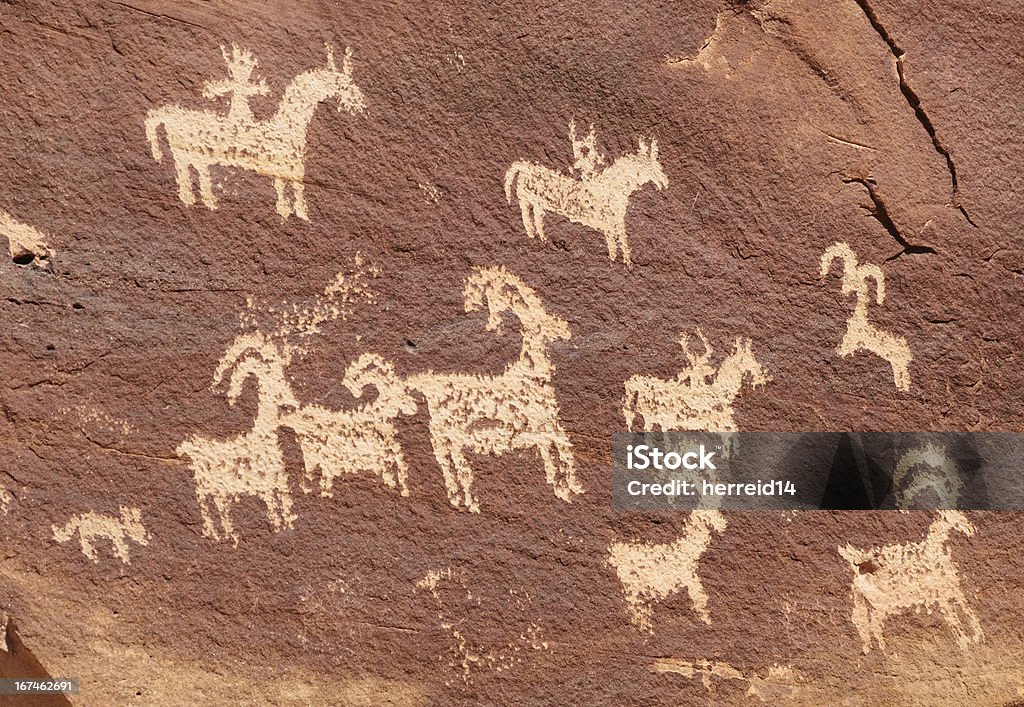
x=930, y=471
x=275, y=147
x=493, y=414
x=650, y=573
x=699, y=397
x=860, y=333
x=364, y=439
x=24, y=243
x=91, y=527
x=895, y=579
x=597, y=199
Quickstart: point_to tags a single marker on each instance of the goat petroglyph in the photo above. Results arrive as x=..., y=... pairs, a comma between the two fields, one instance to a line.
x=597, y=198
x=699, y=397
x=929, y=469
x=252, y=463
x=651, y=572
x=895, y=579
x=860, y=333
x=493, y=414
x=25, y=244
x=91, y=527
x=274, y=148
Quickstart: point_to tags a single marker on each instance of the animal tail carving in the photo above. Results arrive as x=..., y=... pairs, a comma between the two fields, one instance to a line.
x=154, y=120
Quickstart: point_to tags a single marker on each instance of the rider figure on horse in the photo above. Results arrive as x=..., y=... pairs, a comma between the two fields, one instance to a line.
x=241, y=63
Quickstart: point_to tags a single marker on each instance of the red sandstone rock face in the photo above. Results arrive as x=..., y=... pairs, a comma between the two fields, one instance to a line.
x=774, y=131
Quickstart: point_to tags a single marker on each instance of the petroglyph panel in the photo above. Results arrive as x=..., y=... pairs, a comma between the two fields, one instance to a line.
x=305, y=448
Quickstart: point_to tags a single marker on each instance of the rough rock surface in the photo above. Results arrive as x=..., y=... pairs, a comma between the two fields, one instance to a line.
x=780, y=128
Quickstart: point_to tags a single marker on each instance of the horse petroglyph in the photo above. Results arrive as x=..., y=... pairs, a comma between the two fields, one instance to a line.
x=274, y=148
x=650, y=573
x=699, y=397
x=860, y=333
x=94, y=526
x=894, y=579
x=597, y=198
x=25, y=244
x=493, y=414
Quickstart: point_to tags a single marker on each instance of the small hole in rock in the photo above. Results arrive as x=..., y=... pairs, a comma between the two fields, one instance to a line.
x=50, y=347
x=410, y=345
x=77, y=305
x=24, y=258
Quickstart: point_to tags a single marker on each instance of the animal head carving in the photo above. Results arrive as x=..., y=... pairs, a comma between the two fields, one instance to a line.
x=251, y=355
x=370, y=369
x=340, y=83
x=651, y=167
x=503, y=292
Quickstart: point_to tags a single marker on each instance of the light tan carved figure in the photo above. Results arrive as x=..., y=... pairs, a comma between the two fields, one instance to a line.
x=275, y=147
x=598, y=199
x=6, y=498
x=699, y=397
x=363, y=439
x=860, y=333
x=894, y=579
x=493, y=414
x=935, y=473
x=650, y=572
x=23, y=241
x=94, y=526
x=251, y=463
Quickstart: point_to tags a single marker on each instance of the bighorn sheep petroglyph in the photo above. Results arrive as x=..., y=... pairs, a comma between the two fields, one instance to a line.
x=894, y=579
x=860, y=333
x=651, y=573
x=363, y=439
x=598, y=199
x=493, y=414
x=699, y=397
x=92, y=526
x=275, y=148
x=250, y=464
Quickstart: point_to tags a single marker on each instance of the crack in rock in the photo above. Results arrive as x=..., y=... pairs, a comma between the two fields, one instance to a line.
x=881, y=214
x=914, y=101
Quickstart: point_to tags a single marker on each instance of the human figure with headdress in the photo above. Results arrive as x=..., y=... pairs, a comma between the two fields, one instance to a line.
x=588, y=160
x=239, y=86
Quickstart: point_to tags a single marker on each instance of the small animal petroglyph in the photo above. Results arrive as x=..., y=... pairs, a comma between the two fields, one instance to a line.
x=6, y=499
x=251, y=463
x=275, y=147
x=650, y=573
x=364, y=439
x=929, y=470
x=860, y=333
x=894, y=579
x=488, y=414
x=598, y=198
x=94, y=526
x=699, y=397
x=25, y=244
